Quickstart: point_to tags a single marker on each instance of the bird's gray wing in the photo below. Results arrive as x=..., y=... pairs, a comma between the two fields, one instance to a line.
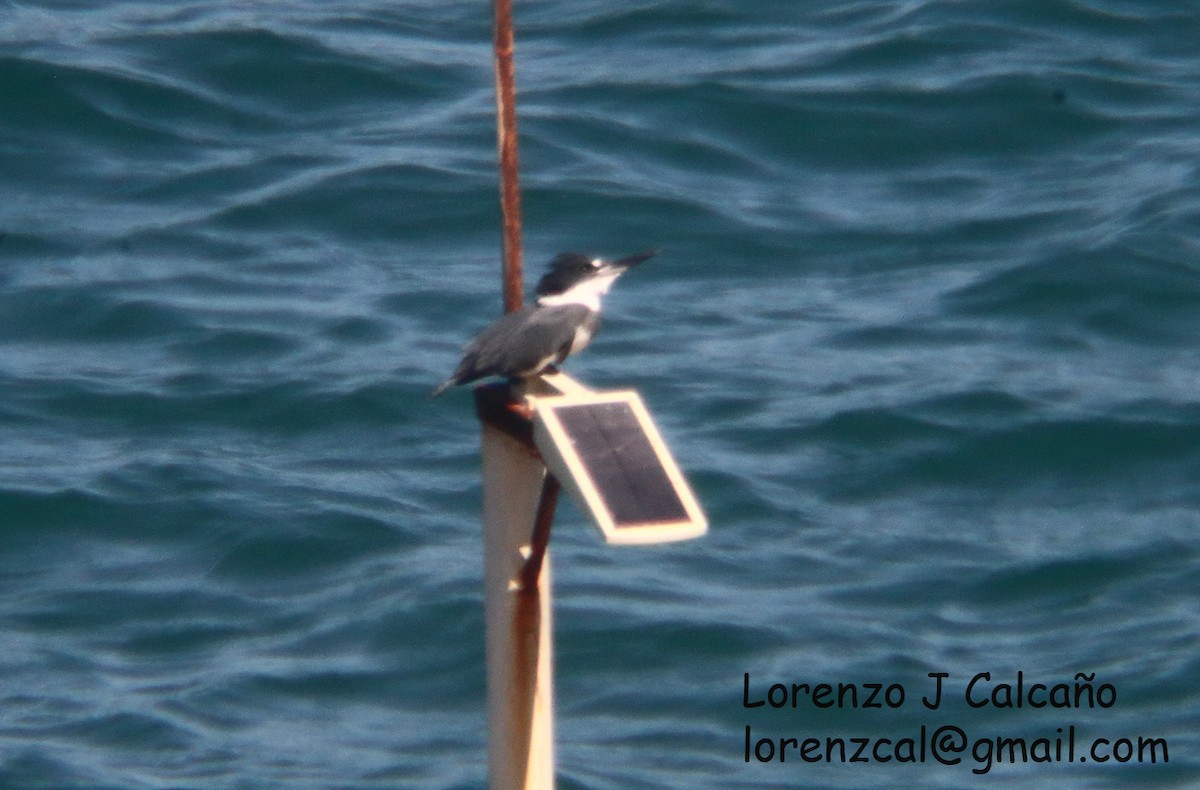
x=521, y=342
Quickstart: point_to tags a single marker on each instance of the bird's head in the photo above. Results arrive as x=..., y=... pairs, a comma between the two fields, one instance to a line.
x=573, y=278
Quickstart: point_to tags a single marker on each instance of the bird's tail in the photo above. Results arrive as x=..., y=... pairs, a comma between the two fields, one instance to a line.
x=445, y=385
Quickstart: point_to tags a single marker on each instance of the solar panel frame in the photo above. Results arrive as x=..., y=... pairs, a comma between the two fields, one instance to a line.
x=608, y=453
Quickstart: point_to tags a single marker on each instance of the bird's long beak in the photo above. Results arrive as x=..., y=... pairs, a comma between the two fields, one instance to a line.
x=633, y=260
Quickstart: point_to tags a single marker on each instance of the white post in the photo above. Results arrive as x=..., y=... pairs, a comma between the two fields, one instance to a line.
x=519, y=646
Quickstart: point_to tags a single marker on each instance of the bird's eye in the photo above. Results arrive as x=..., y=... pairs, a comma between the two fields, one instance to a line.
x=597, y=263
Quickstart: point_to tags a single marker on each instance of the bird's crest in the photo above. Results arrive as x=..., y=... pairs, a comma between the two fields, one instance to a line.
x=564, y=271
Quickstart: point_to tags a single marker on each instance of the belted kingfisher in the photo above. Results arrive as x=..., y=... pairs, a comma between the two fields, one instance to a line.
x=527, y=341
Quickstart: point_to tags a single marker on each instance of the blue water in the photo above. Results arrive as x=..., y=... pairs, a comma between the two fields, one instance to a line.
x=923, y=336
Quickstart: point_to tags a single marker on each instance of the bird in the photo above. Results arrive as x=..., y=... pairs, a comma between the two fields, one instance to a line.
x=561, y=322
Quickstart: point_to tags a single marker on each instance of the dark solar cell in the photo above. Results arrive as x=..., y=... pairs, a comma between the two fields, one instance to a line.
x=621, y=462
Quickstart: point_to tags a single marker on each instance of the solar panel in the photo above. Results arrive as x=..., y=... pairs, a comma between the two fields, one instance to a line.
x=607, y=452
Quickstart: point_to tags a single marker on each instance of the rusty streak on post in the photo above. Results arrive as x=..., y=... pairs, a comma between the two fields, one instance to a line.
x=506, y=144
x=539, y=541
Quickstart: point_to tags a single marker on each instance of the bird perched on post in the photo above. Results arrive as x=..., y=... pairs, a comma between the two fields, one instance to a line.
x=561, y=322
